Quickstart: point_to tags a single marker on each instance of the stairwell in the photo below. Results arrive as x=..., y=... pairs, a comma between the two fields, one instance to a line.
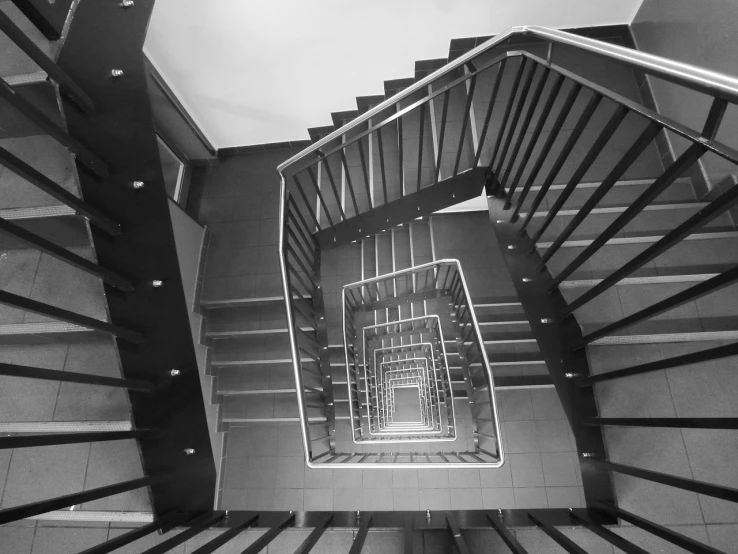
x=245, y=330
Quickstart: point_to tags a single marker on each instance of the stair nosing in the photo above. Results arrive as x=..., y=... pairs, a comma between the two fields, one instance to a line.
x=641, y=239
x=12, y=214
x=620, y=209
x=655, y=338
x=654, y=280
x=64, y=426
x=51, y=327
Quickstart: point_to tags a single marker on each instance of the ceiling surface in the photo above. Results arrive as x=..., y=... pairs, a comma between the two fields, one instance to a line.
x=253, y=72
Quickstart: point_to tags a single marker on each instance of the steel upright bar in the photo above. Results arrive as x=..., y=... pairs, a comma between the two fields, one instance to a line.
x=561, y=159
x=14, y=370
x=513, y=93
x=516, y=116
x=641, y=143
x=714, y=284
x=553, y=135
x=333, y=185
x=61, y=253
x=34, y=306
x=441, y=136
x=364, y=171
x=66, y=84
x=349, y=182
x=9, y=515
x=685, y=161
x=170, y=520
x=594, y=151
x=616, y=540
x=542, y=118
x=490, y=107
x=672, y=422
x=83, y=154
x=314, y=536
x=39, y=180
x=323, y=204
x=421, y=110
x=700, y=487
x=31, y=441
x=197, y=526
x=259, y=544
x=453, y=526
x=226, y=536
x=507, y=537
x=307, y=203
x=682, y=541
x=465, y=122
x=718, y=206
x=675, y=361
x=382, y=171
x=358, y=544
x=525, y=124
x=563, y=541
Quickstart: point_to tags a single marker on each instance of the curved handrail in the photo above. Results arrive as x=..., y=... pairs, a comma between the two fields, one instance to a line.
x=717, y=84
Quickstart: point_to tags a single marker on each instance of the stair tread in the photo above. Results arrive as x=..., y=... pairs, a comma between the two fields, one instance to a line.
x=643, y=239
x=620, y=209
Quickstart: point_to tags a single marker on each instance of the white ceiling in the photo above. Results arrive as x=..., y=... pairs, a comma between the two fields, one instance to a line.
x=259, y=71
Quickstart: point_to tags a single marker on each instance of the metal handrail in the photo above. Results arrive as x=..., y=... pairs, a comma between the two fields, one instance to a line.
x=690, y=76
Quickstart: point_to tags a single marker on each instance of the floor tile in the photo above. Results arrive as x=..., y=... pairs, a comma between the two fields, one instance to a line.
x=347, y=499
x=406, y=499
x=434, y=499
x=466, y=499
x=498, y=498
x=559, y=469
x=290, y=473
x=377, y=499
x=532, y=497
x=527, y=470
x=288, y=499
x=318, y=499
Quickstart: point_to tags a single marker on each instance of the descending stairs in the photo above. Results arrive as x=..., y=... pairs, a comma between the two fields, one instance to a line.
x=39, y=406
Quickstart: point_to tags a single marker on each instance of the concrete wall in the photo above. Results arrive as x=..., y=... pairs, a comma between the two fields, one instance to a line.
x=700, y=32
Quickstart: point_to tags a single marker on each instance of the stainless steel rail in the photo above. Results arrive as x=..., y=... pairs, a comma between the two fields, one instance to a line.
x=690, y=76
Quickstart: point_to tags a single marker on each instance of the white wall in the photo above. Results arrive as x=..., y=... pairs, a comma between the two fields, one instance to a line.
x=257, y=71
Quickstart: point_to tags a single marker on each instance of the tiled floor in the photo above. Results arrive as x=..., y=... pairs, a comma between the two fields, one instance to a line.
x=264, y=466
x=265, y=470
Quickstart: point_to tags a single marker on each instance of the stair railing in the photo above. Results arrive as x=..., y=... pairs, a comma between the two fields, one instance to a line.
x=546, y=116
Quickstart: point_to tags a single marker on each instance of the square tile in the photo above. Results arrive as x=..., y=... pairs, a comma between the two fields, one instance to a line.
x=347, y=479
x=546, y=404
x=288, y=499
x=493, y=478
x=290, y=473
x=376, y=478
x=405, y=478
x=463, y=479
x=377, y=499
x=434, y=499
x=553, y=435
x=318, y=478
x=521, y=436
x=406, y=499
x=527, y=470
x=532, y=497
x=559, y=469
x=433, y=479
x=318, y=499
x=466, y=499
x=347, y=499
x=498, y=498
